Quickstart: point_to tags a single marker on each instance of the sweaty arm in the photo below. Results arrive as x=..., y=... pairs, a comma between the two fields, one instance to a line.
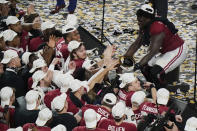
x=134, y=47
x=156, y=42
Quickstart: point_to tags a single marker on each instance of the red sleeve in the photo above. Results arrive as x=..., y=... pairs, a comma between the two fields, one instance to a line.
x=3, y=127
x=75, y=129
x=12, y=112
x=27, y=126
x=65, y=51
x=156, y=28
x=34, y=44
x=30, y=83
x=103, y=124
x=133, y=127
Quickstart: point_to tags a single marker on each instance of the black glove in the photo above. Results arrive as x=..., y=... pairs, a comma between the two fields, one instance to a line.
x=137, y=66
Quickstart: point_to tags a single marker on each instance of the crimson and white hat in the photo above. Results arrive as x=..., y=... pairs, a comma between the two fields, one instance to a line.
x=8, y=55
x=138, y=97
x=47, y=25
x=191, y=124
x=43, y=116
x=25, y=57
x=3, y=1
x=59, y=102
x=9, y=35
x=90, y=117
x=118, y=111
x=68, y=29
x=5, y=95
x=59, y=127
x=110, y=99
x=38, y=64
x=73, y=45
x=31, y=99
x=11, y=20
x=37, y=77
x=147, y=8
x=163, y=96
x=126, y=78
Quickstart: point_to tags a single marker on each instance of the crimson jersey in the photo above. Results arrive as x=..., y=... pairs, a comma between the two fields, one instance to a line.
x=4, y=127
x=28, y=126
x=138, y=115
x=11, y=111
x=49, y=96
x=35, y=43
x=148, y=107
x=101, y=111
x=24, y=40
x=83, y=128
x=126, y=97
x=110, y=125
x=71, y=106
x=79, y=63
x=171, y=41
x=62, y=49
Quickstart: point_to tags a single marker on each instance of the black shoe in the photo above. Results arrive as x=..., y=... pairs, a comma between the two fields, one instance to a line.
x=194, y=6
x=65, y=15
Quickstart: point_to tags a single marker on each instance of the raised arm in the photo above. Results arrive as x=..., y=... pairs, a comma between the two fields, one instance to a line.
x=134, y=47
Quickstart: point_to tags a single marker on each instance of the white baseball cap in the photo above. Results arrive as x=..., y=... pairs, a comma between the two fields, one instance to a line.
x=147, y=8
x=126, y=78
x=73, y=45
x=87, y=64
x=38, y=64
x=11, y=20
x=8, y=55
x=163, y=96
x=110, y=99
x=138, y=97
x=68, y=28
x=31, y=99
x=5, y=95
x=59, y=102
x=62, y=80
x=9, y=35
x=25, y=57
x=90, y=117
x=3, y=1
x=75, y=85
x=59, y=127
x=118, y=111
x=43, y=116
x=37, y=76
x=16, y=129
x=72, y=20
x=47, y=25
x=191, y=124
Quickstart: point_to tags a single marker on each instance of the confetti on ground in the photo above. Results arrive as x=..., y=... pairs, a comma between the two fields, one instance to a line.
x=121, y=15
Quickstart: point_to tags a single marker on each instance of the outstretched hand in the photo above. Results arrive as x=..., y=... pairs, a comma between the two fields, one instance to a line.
x=72, y=65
